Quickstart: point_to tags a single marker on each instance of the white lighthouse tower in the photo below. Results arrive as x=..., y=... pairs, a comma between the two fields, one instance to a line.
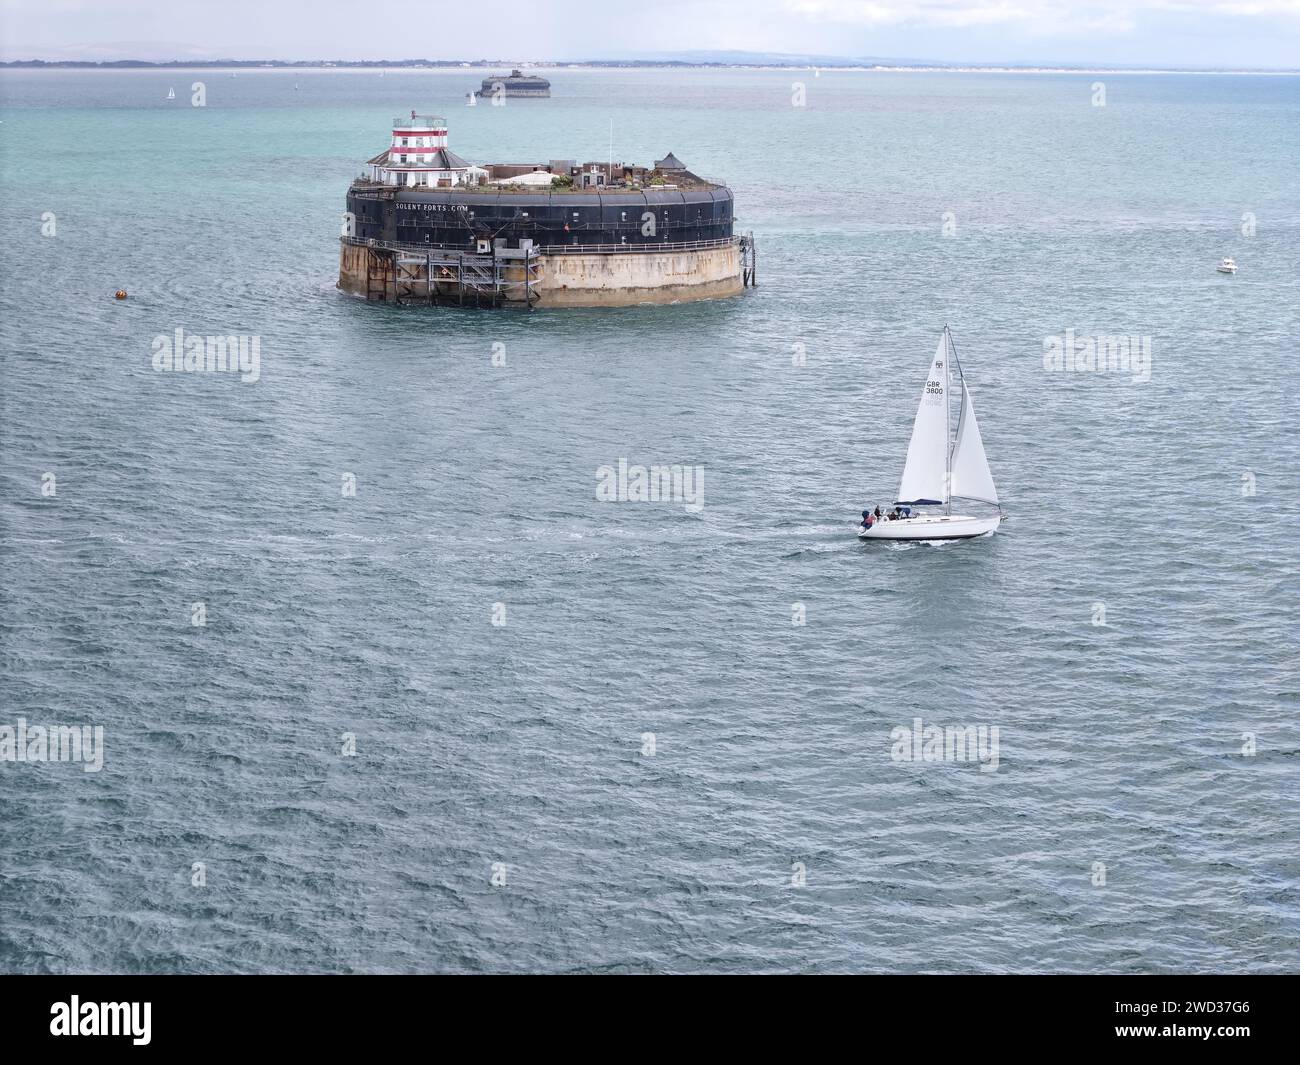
x=418, y=155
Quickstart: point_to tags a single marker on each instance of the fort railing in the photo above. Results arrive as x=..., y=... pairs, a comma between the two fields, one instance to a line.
x=362, y=186
x=609, y=249
x=419, y=122
x=561, y=249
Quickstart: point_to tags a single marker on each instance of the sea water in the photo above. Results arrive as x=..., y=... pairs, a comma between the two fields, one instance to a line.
x=385, y=684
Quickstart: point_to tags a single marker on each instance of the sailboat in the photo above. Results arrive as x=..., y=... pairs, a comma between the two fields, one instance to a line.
x=171, y=94
x=942, y=465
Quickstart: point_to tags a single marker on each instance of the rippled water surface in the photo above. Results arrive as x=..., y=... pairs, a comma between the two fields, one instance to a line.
x=522, y=744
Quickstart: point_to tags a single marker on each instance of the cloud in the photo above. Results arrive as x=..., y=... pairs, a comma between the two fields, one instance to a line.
x=1029, y=16
x=1214, y=33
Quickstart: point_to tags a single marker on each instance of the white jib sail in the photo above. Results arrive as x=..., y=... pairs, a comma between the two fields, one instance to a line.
x=971, y=476
x=927, y=453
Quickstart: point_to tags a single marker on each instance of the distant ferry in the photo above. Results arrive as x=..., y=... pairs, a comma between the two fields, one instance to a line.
x=516, y=84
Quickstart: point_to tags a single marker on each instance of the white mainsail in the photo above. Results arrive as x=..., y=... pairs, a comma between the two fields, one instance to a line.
x=925, y=471
x=971, y=476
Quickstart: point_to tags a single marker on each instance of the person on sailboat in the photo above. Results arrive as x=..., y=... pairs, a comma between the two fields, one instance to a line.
x=867, y=519
x=877, y=513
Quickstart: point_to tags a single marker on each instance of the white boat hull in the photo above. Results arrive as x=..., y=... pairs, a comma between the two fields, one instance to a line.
x=931, y=527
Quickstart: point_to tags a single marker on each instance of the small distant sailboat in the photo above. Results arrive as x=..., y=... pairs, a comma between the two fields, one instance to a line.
x=1227, y=266
x=171, y=94
x=941, y=465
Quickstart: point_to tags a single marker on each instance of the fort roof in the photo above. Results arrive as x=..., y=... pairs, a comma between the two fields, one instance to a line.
x=441, y=159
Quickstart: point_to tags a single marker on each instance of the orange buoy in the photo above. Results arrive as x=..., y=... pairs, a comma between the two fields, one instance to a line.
x=120, y=294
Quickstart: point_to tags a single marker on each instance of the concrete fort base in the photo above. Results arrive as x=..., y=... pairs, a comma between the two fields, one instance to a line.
x=567, y=279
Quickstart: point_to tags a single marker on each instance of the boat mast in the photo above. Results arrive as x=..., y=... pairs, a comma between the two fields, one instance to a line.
x=947, y=422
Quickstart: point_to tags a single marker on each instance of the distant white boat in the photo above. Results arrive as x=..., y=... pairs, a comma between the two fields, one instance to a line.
x=941, y=465
x=1227, y=266
x=171, y=94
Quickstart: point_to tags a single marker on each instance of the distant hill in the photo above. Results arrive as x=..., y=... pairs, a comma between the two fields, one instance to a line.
x=703, y=58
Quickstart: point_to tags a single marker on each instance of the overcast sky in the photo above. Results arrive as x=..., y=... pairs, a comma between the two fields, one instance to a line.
x=1212, y=33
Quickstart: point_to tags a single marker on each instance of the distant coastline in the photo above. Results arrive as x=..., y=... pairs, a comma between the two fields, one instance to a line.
x=622, y=64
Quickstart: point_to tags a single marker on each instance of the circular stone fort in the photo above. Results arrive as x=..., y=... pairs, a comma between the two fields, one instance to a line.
x=424, y=226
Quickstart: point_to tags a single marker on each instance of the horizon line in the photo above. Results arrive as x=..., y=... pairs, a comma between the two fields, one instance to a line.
x=775, y=62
